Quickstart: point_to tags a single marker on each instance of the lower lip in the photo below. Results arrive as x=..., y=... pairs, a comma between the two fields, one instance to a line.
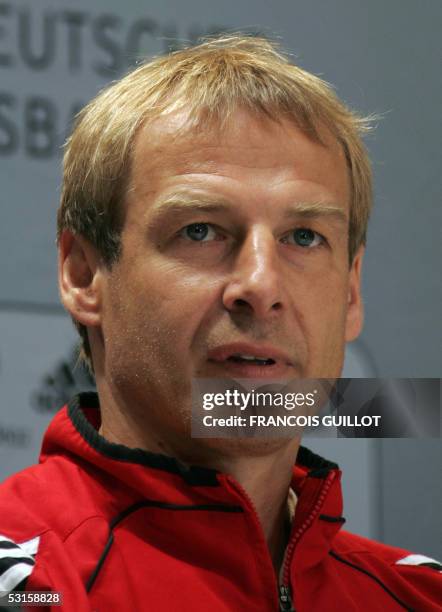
x=245, y=370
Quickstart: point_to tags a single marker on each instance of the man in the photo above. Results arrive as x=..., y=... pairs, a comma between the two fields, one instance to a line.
x=212, y=224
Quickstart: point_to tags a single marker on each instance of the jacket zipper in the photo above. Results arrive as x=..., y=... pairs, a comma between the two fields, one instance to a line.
x=244, y=494
x=285, y=595
x=286, y=598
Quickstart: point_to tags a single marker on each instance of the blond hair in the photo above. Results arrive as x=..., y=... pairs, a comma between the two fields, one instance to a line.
x=210, y=81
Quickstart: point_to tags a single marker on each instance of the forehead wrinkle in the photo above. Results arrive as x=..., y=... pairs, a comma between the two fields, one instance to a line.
x=184, y=201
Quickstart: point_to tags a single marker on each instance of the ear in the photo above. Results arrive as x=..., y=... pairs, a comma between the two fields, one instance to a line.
x=80, y=278
x=355, y=307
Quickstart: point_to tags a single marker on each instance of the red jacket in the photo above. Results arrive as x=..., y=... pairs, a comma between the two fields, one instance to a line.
x=122, y=529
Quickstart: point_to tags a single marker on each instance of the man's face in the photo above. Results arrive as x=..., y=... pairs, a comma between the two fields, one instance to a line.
x=235, y=247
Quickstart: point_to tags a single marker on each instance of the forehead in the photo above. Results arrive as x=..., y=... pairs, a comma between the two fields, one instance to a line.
x=250, y=151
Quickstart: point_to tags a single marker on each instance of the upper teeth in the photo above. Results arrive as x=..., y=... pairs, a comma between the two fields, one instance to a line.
x=251, y=357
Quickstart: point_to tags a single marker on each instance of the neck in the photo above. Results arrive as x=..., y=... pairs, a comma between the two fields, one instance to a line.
x=265, y=479
x=262, y=468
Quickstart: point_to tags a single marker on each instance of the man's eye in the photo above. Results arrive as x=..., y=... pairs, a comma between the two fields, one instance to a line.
x=303, y=237
x=199, y=232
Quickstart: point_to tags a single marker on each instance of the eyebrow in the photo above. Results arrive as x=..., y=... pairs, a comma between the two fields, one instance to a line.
x=183, y=202
x=314, y=210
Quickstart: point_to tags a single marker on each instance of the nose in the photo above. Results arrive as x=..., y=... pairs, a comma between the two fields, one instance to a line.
x=254, y=286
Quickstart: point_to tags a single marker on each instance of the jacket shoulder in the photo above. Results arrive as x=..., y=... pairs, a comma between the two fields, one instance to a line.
x=349, y=544
x=24, y=503
x=43, y=525
x=415, y=578
x=40, y=498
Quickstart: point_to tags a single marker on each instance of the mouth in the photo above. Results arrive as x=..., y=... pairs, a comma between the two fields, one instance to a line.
x=251, y=361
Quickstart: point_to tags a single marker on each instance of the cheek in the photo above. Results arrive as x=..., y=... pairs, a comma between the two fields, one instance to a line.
x=162, y=304
x=323, y=306
x=326, y=293
x=183, y=295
